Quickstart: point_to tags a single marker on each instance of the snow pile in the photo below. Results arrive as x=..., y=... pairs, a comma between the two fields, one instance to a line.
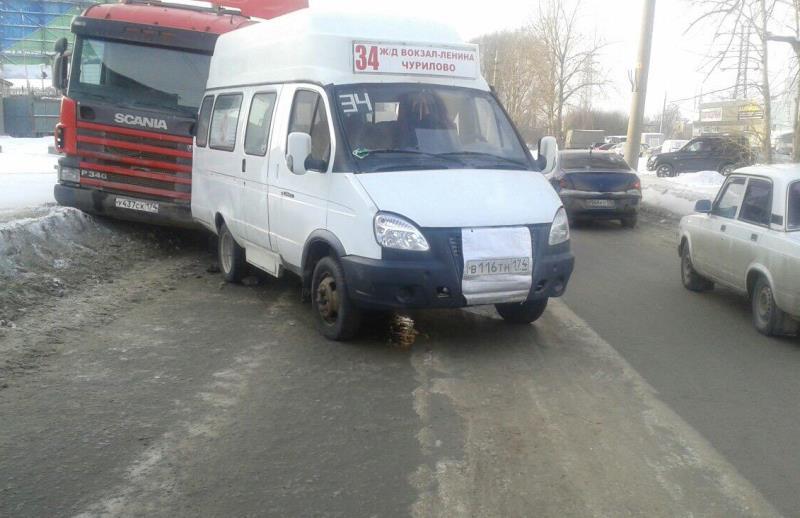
x=677, y=195
x=27, y=173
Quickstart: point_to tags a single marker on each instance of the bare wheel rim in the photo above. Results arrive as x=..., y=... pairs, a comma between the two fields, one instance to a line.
x=226, y=252
x=764, y=303
x=327, y=298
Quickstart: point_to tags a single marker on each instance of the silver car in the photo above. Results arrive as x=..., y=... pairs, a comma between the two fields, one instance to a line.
x=749, y=239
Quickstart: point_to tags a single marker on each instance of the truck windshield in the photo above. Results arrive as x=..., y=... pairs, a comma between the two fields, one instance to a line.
x=139, y=75
x=391, y=127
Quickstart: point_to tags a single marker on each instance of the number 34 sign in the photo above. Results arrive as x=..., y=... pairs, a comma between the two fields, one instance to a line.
x=398, y=58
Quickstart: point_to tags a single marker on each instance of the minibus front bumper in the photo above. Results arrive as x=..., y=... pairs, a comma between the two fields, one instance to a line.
x=433, y=279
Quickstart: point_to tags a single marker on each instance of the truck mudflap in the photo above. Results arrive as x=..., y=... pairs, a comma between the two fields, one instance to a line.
x=126, y=207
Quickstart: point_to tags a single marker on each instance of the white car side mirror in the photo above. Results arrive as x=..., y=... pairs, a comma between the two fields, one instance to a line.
x=548, y=151
x=298, y=150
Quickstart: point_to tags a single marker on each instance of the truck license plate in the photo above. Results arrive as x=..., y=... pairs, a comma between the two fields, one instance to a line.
x=514, y=265
x=600, y=204
x=134, y=204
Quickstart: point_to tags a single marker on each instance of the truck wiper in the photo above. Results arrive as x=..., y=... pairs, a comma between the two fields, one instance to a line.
x=487, y=155
x=362, y=153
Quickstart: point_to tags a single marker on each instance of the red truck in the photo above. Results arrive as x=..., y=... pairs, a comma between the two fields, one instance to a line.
x=131, y=94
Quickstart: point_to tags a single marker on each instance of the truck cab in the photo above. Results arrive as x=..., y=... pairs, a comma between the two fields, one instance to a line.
x=369, y=157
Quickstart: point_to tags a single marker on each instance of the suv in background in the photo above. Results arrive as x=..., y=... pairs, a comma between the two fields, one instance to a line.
x=722, y=154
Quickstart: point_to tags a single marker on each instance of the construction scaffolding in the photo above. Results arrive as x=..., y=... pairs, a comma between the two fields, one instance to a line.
x=28, y=30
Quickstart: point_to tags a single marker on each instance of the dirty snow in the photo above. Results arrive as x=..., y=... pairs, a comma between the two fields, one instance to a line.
x=676, y=196
x=27, y=173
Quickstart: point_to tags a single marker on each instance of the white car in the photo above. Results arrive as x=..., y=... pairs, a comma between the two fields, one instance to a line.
x=749, y=239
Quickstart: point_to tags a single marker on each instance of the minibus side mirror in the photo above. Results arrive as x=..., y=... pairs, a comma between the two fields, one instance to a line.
x=548, y=154
x=298, y=150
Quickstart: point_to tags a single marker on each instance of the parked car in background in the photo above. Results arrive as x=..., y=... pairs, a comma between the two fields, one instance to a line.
x=620, y=149
x=784, y=144
x=749, y=239
x=583, y=139
x=597, y=185
x=721, y=154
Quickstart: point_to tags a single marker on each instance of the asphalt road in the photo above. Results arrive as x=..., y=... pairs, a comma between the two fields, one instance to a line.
x=162, y=391
x=700, y=352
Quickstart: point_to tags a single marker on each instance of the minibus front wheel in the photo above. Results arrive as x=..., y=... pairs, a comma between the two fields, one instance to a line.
x=336, y=317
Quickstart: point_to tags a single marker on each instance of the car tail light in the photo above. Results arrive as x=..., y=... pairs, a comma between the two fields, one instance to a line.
x=636, y=184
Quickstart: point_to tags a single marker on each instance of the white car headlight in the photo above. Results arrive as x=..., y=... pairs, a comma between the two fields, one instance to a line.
x=392, y=231
x=559, y=231
x=69, y=174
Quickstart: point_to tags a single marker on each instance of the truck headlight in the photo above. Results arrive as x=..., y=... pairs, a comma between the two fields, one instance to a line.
x=69, y=174
x=559, y=230
x=393, y=231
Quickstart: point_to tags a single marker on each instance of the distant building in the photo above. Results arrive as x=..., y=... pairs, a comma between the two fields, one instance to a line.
x=736, y=118
x=5, y=87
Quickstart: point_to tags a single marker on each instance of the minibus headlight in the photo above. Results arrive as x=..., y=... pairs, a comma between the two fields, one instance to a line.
x=392, y=231
x=559, y=230
x=69, y=174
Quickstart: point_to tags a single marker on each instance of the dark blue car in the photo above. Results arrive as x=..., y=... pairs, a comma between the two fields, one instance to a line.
x=597, y=185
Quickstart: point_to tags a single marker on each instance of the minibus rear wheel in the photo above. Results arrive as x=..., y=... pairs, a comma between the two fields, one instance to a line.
x=231, y=255
x=337, y=318
x=521, y=312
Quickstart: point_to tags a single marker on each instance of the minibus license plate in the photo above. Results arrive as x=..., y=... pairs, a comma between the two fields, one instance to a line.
x=515, y=265
x=600, y=204
x=140, y=205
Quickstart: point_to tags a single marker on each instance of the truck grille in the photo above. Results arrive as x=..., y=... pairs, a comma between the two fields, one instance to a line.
x=134, y=161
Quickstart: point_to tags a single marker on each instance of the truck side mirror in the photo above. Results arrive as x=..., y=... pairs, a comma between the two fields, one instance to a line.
x=298, y=150
x=60, y=46
x=59, y=75
x=548, y=154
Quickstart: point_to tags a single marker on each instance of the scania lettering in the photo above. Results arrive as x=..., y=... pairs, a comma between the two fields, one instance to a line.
x=131, y=95
x=145, y=122
x=382, y=186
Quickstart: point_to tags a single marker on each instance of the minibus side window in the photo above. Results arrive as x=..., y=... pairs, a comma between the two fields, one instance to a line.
x=309, y=116
x=258, y=123
x=224, y=121
x=204, y=120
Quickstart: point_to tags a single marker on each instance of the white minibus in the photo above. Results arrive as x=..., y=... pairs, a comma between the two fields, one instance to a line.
x=370, y=157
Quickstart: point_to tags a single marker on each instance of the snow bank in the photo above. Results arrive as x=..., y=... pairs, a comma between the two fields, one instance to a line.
x=678, y=195
x=27, y=172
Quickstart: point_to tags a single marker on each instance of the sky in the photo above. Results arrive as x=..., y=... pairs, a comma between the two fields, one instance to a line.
x=677, y=57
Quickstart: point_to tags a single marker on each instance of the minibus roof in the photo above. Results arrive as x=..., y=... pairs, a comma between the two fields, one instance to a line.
x=325, y=47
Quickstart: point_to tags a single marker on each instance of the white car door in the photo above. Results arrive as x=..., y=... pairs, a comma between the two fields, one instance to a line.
x=202, y=200
x=255, y=166
x=301, y=201
x=748, y=231
x=223, y=160
x=711, y=242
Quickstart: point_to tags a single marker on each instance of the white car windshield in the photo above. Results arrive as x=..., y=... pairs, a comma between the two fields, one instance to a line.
x=412, y=126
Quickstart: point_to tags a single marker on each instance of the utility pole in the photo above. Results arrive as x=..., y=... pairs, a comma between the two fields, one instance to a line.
x=633, y=144
x=663, y=113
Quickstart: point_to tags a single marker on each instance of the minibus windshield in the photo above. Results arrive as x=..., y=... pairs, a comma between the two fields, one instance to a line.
x=389, y=127
x=139, y=75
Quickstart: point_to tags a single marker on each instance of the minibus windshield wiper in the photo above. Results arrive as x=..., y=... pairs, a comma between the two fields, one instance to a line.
x=362, y=153
x=479, y=154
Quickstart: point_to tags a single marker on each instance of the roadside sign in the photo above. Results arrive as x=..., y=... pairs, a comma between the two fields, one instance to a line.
x=402, y=59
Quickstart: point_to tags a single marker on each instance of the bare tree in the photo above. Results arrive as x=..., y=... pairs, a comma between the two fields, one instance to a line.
x=794, y=41
x=742, y=29
x=569, y=62
x=509, y=64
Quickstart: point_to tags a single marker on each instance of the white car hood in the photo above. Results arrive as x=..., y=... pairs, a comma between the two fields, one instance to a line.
x=464, y=197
